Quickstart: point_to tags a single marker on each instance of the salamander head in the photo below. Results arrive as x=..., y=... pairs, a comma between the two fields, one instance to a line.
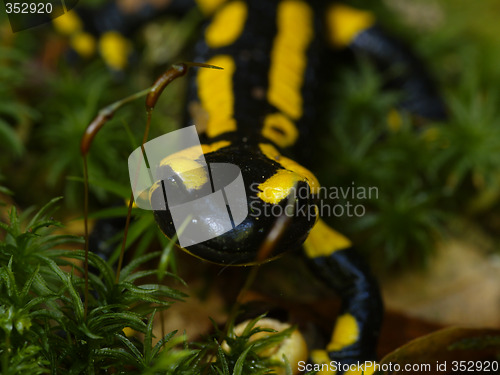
x=258, y=187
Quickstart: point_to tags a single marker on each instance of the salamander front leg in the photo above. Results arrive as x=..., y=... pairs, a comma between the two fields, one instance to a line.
x=335, y=262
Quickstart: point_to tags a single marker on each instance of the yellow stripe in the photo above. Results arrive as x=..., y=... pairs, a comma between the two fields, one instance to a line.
x=323, y=241
x=215, y=89
x=218, y=145
x=278, y=187
x=293, y=166
x=68, y=23
x=84, y=44
x=288, y=57
x=344, y=23
x=271, y=152
x=227, y=25
x=209, y=6
x=114, y=49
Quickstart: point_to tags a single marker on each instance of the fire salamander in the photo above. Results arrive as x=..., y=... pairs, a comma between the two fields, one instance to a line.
x=256, y=112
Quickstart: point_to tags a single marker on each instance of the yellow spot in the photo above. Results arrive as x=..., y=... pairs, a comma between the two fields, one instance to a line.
x=278, y=187
x=68, y=23
x=84, y=44
x=345, y=23
x=394, y=120
x=114, y=49
x=217, y=145
x=345, y=333
x=127, y=202
x=193, y=175
x=185, y=165
x=279, y=129
x=270, y=151
x=288, y=57
x=129, y=332
x=321, y=357
x=431, y=134
x=323, y=241
x=195, y=152
x=227, y=25
x=215, y=89
x=209, y=6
